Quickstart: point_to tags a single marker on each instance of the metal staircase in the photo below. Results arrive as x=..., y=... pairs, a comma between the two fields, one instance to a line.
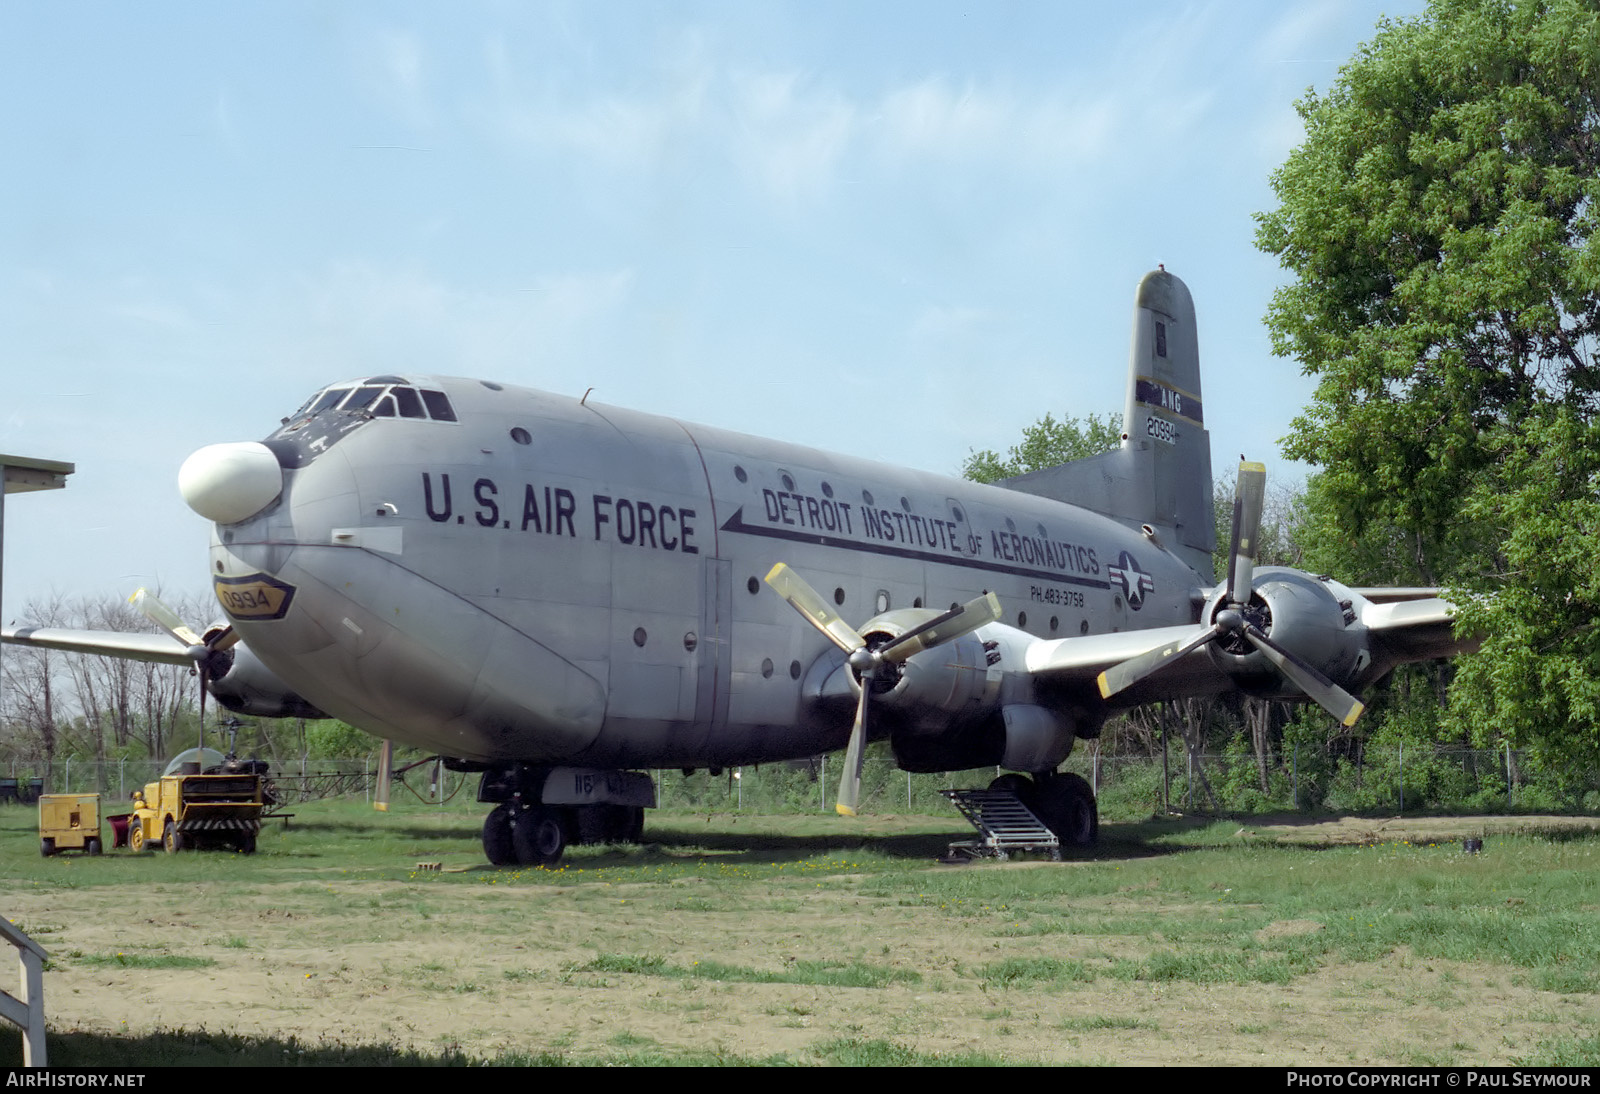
x=1004, y=825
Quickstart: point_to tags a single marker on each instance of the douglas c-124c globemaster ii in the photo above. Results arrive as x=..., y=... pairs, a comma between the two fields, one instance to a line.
x=561, y=594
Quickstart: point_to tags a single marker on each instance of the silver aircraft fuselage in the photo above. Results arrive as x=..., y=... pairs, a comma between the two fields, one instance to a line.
x=554, y=581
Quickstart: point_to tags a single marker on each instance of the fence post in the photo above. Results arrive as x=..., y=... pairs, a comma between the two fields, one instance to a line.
x=1294, y=777
x=1402, y=776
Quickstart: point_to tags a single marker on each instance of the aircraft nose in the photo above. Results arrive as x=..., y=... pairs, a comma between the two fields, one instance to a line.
x=227, y=483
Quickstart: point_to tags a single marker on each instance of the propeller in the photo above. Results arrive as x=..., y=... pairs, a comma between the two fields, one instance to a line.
x=1236, y=619
x=203, y=651
x=867, y=662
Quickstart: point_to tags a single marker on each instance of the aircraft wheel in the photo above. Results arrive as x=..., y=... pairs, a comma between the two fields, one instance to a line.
x=1066, y=804
x=92, y=845
x=634, y=827
x=47, y=846
x=172, y=839
x=136, y=842
x=246, y=843
x=539, y=836
x=498, y=847
x=1019, y=785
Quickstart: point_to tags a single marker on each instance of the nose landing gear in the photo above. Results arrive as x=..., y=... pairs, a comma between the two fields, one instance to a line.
x=542, y=810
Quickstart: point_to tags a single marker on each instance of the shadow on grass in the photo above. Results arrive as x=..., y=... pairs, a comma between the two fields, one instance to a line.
x=201, y=1048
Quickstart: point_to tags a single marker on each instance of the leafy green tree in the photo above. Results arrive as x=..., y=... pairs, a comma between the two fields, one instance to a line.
x=1439, y=223
x=1047, y=443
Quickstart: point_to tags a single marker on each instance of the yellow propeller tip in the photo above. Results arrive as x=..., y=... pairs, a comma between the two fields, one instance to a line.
x=382, y=807
x=1355, y=713
x=1100, y=682
x=845, y=810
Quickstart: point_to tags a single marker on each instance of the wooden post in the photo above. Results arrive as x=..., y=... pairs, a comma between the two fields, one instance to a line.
x=26, y=1011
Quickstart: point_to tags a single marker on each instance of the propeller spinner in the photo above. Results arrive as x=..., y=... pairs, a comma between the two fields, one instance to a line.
x=866, y=661
x=1238, y=619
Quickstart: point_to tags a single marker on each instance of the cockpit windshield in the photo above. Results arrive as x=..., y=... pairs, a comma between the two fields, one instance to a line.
x=334, y=412
x=378, y=397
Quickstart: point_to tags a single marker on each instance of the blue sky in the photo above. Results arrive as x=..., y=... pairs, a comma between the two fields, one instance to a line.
x=895, y=230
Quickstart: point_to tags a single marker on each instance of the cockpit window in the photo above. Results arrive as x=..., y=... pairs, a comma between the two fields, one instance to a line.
x=409, y=402
x=328, y=398
x=379, y=397
x=438, y=406
x=361, y=398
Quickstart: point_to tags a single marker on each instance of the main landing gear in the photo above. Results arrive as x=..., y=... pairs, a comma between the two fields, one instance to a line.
x=1063, y=801
x=542, y=810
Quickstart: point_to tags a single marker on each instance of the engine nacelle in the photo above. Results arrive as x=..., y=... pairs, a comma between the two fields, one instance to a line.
x=949, y=681
x=241, y=683
x=1310, y=617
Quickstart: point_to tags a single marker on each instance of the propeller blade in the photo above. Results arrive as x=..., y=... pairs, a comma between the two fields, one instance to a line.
x=1123, y=676
x=1324, y=692
x=164, y=617
x=942, y=628
x=855, y=756
x=804, y=599
x=380, y=796
x=1248, y=499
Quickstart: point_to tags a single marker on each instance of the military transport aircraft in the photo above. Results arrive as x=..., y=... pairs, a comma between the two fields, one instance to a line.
x=561, y=595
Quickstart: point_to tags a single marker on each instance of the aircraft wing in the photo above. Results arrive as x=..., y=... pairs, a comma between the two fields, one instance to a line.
x=1412, y=630
x=131, y=645
x=1073, y=662
x=1398, y=629
x=1380, y=594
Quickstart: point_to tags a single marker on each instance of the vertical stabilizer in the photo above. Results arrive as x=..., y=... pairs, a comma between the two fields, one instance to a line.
x=1161, y=476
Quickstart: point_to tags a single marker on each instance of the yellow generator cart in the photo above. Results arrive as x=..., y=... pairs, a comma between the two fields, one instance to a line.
x=197, y=811
x=69, y=822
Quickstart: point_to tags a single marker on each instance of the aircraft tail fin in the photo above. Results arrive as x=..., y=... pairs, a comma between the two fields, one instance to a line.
x=1161, y=476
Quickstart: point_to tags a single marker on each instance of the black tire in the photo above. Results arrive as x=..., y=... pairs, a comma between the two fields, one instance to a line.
x=47, y=846
x=539, y=835
x=594, y=824
x=172, y=839
x=136, y=841
x=1066, y=804
x=246, y=843
x=635, y=825
x=92, y=845
x=498, y=847
x=1019, y=785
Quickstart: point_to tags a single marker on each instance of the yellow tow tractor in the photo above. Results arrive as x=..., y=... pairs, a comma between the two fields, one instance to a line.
x=187, y=809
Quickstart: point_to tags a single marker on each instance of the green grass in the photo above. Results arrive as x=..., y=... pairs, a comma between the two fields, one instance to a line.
x=832, y=974
x=146, y=961
x=1160, y=902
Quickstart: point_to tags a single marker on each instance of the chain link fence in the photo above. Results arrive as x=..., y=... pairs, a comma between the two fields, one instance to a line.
x=1387, y=781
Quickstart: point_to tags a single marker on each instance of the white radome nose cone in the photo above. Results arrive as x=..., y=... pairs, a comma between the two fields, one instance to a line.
x=226, y=483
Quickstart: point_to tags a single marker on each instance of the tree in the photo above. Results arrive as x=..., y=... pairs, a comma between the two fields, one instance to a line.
x=1439, y=223
x=1047, y=443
